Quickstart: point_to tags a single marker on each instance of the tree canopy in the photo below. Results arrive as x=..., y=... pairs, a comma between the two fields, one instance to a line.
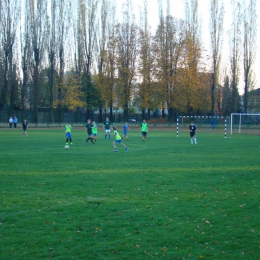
x=67, y=55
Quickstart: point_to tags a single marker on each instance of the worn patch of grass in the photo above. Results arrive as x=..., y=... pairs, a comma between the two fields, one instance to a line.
x=164, y=199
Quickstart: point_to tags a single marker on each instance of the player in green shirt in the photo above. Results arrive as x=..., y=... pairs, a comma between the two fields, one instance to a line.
x=89, y=128
x=144, y=129
x=107, y=124
x=94, y=131
x=68, y=133
x=118, y=140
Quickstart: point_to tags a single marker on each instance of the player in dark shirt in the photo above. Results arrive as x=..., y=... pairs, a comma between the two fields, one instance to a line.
x=192, y=129
x=107, y=124
x=89, y=127
x=24, y=125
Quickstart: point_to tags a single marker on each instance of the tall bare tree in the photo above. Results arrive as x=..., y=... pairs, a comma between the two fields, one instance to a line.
x=110, y=80
x=26, y=60
x=146, y=64
x=10, y=15
x=63, y=25
x=37, y=26
x=104, y=39
x=52, y=49
x=162, y=51
x=85, y=47
x=127, y=35
x=249, y=46
x=57, y=33
x=235, y=52
x=216, y=34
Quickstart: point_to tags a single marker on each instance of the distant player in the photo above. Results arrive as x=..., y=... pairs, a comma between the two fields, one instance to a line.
x=68, y=133
x=94, y=131
x=118, y=140
x=125, y=130
x=212, y=123
x=25, y=126
x=144, y=129
x=15, y=121
x=107, y=125
x=89, y=128
x=192, y=129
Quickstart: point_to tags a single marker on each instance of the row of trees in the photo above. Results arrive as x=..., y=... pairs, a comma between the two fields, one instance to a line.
x=64, y=54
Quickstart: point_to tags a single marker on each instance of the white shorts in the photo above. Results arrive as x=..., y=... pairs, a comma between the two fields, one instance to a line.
x=107, y=130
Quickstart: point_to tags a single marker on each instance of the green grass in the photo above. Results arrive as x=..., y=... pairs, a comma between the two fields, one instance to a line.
x=164, y=199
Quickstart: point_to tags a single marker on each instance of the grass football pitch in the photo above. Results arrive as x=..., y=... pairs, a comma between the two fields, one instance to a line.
x=164, y=199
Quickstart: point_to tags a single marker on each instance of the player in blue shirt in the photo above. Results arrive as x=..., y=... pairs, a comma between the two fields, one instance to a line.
x=125, y=129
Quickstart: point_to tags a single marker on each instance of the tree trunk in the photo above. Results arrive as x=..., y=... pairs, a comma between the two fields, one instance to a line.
x=149, y=114
x=88, y=114
x=60, y=87
x=213, y=94
x=163, y=113
x=246, y=94
x=5, y=88
x=35, y=86
x=52, y=70
x=24, y=89
x=143, y=114
x=234, y=98
x=111, y=113
x=126, y=112
x=170, y=115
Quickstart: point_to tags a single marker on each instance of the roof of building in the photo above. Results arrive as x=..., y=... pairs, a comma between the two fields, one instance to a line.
x=255, y=91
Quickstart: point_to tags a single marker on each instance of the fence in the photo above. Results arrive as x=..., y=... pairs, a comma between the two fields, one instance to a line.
x=72, y=117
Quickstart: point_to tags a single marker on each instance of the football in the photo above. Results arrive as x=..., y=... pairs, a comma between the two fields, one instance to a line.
x=66, y=147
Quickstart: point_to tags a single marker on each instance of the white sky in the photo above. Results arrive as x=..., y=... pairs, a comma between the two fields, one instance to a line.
x=177, y=10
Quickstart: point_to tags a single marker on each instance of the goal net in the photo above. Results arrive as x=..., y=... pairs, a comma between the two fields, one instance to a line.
x=243, y=121
x=206, y=122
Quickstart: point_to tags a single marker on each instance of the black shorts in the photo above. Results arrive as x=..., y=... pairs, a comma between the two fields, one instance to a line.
x=192, y=134
x=144, y=133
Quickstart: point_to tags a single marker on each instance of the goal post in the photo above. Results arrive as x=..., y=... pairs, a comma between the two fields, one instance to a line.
x=204, y=122
x=243, y=120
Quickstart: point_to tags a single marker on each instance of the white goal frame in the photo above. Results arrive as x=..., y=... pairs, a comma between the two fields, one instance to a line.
x=180, y=121
x=240, y=120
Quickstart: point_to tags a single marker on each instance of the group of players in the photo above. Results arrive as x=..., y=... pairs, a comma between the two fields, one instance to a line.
x=91, y=129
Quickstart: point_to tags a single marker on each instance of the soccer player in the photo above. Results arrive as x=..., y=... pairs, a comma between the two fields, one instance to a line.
x=125, y=129
x=89, y=128
x=94, y=131
x=192, y=129
x=118, y=140
x=107, y=124
x=68, y=133
x=144, y=129
x=15, y=121
x=24, y=125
